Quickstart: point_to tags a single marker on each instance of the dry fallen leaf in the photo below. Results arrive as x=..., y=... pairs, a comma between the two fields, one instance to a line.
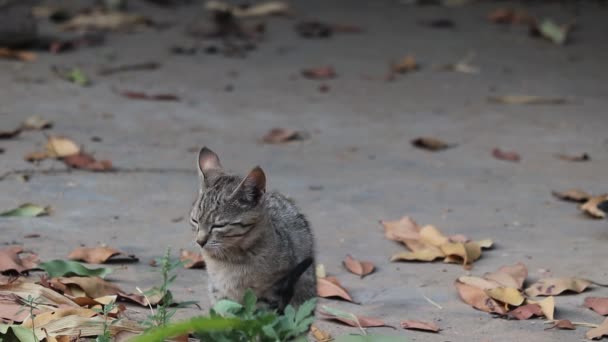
x=509, y=276
x=573, y=195
x=351, y=319
x=507, y=295
x=405, y=228
x=36, y=123
x=14, y=259
x=506, y=155
x=547, y=306
x=461, y=253
x=256, y=10
x=35, y=156
x=599, y=332
x=555, y=286
x=526, y=100
x=95, y=287
x=597, y=304
x=426, y=253
x=406, y=64
x=58, y=146
x=24, y=56
x=593, y=206
x=419, y=325
x=361, y=268
x=330, y=287
x=73, y=326
x=192, y=259
x=319, y=73
x=478, y=298
x=510, y=16
x=430, y=144
x=136, y=95
x=480, y=283
x=98, y=20
x=562, y=324
x=99, y=255
x=320, y=335
x=283, y=135
x=11, y=308
x=574, y=158
x=428, y=243
x=526, y=312
x=10, y=134
x=49, y=316
x=86, y=161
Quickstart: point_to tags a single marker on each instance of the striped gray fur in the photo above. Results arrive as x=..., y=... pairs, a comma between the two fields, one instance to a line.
x=250, y=238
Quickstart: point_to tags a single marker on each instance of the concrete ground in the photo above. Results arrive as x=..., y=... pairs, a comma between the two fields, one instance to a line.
x=359, y=151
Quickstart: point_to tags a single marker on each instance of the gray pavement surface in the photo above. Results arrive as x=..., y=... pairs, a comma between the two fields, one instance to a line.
x=359, y=151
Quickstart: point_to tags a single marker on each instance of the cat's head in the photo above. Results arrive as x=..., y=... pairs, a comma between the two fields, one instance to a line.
x=228, y=208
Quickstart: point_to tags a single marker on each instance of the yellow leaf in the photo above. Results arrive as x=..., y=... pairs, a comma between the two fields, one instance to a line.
x=509, y=276
x=429, y=253
x=487, y=243
x=458, y=252
x=591, y=206
x=320, y=335
x=478, y=282
x=61, y=147
x=555, y=286
x=547, y=306
x=508, y=295
x=432, y=235
x=405, y=228
x=599, y=332
x=50, y=316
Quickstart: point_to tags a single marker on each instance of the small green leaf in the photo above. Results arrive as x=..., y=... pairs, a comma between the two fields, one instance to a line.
x=27, y=210
x=11, y=332
x=76, y=75
x=553, y=32
x=306, y=309
x=227, y=307
x=290, y=313
x=249, y=301
x=269, y=331
x=63, y=268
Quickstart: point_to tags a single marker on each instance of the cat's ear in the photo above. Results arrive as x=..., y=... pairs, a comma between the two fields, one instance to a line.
x=252, y=187
x=209, y=167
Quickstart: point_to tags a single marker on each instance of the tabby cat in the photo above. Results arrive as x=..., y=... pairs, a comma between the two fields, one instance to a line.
x=250, y=238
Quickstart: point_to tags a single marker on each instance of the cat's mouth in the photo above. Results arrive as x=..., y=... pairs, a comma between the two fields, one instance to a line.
x=202, y=241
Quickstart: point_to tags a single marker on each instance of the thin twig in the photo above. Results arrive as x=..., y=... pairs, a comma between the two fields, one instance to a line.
x=147, y=300
x=433, y=302
x=579, y=324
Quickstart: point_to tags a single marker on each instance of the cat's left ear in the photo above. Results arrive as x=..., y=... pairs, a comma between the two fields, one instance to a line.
x=252, y=187
x=209, y=167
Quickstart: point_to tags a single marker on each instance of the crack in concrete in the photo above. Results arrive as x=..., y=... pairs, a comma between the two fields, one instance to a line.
x=54, y=172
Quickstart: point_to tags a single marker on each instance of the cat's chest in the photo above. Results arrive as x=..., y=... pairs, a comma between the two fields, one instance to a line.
x=231, y=280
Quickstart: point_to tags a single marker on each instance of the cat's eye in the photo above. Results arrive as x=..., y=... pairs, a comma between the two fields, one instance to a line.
x=218, y=225
x=242, y=224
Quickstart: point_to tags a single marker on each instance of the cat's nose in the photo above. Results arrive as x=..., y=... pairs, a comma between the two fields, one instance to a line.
x=202, y=239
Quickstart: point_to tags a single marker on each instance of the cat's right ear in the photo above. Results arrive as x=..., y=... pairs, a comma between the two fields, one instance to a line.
x=209, y=167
